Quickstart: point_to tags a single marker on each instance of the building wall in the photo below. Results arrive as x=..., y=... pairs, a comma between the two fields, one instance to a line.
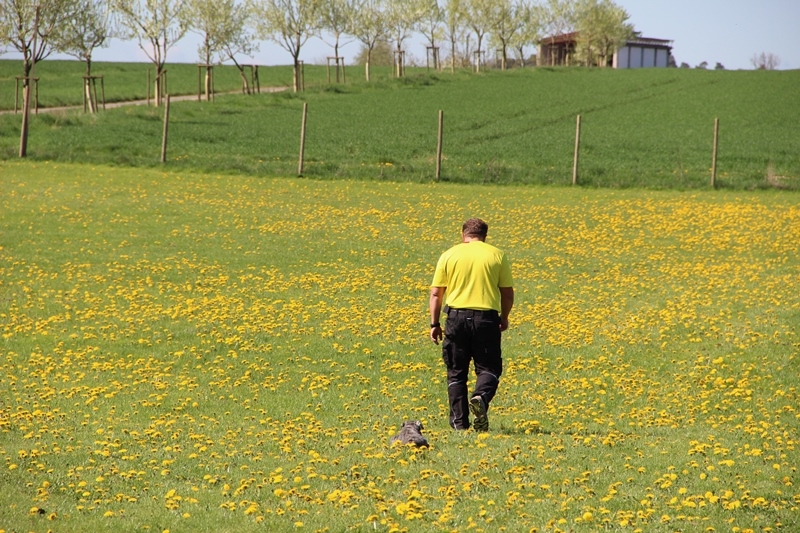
x=662, y=58
x=641, y=56
x=553, y=54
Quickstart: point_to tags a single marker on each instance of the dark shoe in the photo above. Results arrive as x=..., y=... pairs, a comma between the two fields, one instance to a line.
x=478, y=409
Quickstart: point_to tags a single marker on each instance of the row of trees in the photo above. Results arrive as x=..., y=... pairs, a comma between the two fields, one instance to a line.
x=234, y=28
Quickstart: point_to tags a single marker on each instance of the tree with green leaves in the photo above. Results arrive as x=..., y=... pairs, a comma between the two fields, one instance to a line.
x=602, y=28
x=430, y=26
x=530, y=31
x=157, y=25
x=402, y=17
x=338, y=18
x=33, y=28
x=507, y=19
x=455, y=18
x=90, y=27
x=558, y=19
x=289, y=23
x=479, y=17
x=370, y=27
x=226, y=32
x=381, y=55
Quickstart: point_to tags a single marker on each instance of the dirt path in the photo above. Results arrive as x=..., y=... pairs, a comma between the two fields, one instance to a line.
x=180, y=98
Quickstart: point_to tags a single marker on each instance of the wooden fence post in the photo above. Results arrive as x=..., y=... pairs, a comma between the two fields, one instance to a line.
x=166, y=128
x=439, y=146
x=577, y=151
x=302, y=139
x=714, y=155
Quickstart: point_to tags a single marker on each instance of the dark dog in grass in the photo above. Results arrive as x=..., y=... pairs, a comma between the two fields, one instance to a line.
x=410, y=433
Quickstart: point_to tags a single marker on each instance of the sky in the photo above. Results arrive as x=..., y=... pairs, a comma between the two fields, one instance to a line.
x=729, y=32
x=726, y=31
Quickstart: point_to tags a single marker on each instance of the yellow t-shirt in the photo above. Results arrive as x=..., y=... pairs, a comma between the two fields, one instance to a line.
x=472, y=273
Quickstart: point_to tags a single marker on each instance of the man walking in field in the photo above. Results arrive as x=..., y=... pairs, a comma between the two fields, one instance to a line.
x=476, y=279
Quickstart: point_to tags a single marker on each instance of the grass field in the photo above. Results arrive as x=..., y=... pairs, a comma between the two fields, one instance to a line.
x=646, y=128
x=205, y=352
x=60, y=82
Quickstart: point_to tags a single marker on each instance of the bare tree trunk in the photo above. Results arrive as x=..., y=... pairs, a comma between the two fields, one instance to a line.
x=207, y=80
x=296, y=56
x=87, y=85
x=26, y=80
x=157, y=92
x=336, y=53
x=87, y=90
x=245, y=85
x=399, y=60
x=30, y=64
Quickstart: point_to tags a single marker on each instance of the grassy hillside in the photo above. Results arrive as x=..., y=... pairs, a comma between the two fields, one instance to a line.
x=647, y=128
x=60, y=82
x=202, y=353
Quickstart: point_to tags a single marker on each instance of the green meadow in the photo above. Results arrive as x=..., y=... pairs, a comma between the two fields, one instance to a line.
x=651, y=128
x=61, y=82
x=207, y=351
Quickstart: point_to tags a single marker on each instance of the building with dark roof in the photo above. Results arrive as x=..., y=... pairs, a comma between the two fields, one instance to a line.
x=639, y=52
x=643, y=52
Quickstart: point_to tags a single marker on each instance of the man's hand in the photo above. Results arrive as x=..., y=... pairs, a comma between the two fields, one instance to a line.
x=503, y=323
x=436, y=334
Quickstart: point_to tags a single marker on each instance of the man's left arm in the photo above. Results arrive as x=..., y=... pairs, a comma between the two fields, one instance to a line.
x=506, y=303
x=506, y=287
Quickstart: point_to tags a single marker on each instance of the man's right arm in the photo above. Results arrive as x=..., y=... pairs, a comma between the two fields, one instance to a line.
x=436, y=301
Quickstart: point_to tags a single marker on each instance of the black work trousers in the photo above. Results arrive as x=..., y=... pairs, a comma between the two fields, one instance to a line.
x=471, y=335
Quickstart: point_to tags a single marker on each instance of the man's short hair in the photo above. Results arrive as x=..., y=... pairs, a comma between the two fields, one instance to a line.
x=475, y=227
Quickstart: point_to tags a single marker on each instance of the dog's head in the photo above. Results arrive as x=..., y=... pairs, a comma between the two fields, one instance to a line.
x=412, y=424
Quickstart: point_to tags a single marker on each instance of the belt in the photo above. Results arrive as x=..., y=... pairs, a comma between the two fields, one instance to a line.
x=472, y=312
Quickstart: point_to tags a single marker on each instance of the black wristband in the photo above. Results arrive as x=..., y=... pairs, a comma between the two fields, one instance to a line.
x=436, y=325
